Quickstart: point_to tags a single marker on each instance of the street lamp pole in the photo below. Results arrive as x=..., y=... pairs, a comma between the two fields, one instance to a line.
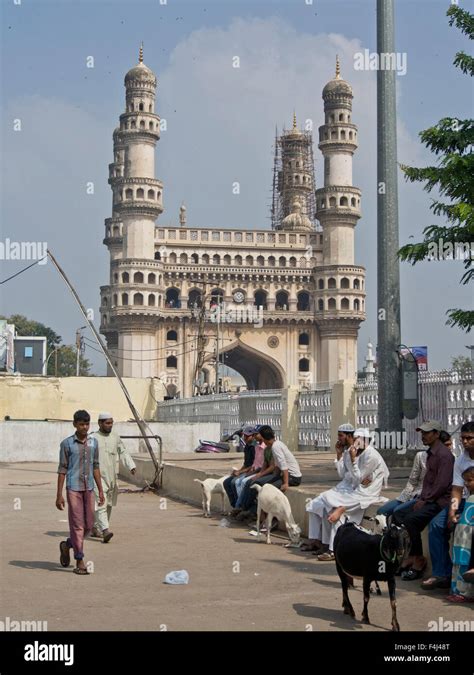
x=78, y=348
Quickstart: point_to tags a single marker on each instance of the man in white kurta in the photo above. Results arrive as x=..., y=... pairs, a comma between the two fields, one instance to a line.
x=111, y=451
x=363, y=472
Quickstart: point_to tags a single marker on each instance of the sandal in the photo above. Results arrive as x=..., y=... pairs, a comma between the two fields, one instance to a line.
x=65, y=557
x=436, y=582
x=469, y=577
x=80, y=570
x=459, y=598
x=326, y=557
x=412, y=574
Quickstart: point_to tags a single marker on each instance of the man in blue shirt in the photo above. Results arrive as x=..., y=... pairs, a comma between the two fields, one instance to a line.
x=79, y=466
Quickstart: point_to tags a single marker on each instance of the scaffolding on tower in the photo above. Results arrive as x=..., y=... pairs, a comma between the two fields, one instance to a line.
x=293, y=145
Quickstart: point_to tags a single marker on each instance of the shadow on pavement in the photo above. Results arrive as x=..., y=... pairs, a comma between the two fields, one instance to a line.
x=53, y=533
x=335, y=616
x=39, y=565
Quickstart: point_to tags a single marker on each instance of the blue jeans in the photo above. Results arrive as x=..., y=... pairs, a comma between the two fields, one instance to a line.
x=240, y=491
x=438, y=536
x=248, y=497
x=390, y=507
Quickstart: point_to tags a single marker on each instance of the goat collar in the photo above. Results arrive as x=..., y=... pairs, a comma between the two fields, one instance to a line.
x=382, y=553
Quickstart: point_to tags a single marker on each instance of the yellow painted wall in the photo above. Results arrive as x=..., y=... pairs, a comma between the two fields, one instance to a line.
x=38, y=398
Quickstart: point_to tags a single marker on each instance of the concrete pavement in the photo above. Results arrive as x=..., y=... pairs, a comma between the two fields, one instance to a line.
x=236, y=582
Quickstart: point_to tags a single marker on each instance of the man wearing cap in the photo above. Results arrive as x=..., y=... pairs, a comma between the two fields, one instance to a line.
x=363, y=473
x=234, y=481
x=439, y=532
x=435, y=496
x=111, y=451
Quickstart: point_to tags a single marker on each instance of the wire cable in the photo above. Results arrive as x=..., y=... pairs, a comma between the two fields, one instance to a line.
x=23, y=270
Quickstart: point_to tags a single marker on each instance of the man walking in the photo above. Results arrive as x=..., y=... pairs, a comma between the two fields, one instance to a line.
x=79, y=466
x=111, y=449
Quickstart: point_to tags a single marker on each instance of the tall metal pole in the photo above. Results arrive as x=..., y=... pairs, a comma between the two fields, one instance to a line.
x=388, y=270
x=217, y=344
x=78, y=350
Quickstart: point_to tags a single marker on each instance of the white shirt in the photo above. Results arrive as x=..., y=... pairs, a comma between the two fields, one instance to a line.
x=461, y=463
x=285, y=460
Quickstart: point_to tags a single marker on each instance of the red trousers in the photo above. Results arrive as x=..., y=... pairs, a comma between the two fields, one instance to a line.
x=81, y=519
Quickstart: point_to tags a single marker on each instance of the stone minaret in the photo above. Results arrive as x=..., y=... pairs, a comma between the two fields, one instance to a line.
x=341, y=296
x=130, y=233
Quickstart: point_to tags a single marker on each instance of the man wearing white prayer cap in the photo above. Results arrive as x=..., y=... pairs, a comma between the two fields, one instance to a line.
x=111, y=451
x=363, y=473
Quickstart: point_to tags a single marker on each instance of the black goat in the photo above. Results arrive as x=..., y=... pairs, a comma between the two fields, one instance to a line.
x=373, y=557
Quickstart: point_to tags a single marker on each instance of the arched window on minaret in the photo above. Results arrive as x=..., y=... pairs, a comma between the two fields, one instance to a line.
x=260, y=299
x=343, y=135
x=303, y=304
x=260, y=261
x=238, y=260
x=133, y=124
x=303, y=366
x=104, y=301
x=216, y=259
x=150, y=108
x=195, y=299
x=151, y=194
x=345, y=303
x=356, y=284
x=172, y=298
x=205, y=259
x=331, y=303
x=320, y=305
x=249, y=260
x=152, y=278
x=115, y=278
x=141, y=107
x=157, y=255
x=332, y=201
x=343, y=201
x=271, y=261
x=227, y=260
x=303, y=339
x=138, y=278
x=195, y=258
x=183, y=259
x=303, y=262
x=282, y=300
x=140, y=193
x=333, y=134
x=356, y=305
x=150, y=126
x=282, y=261
x=292, y=261
x=331, y=283
x=151, y=300
x=124, y=298
x=350, y=135
x=172, y=336
x=172, y=258
x=321, y=283
x=341, y=117
x=142, y=124
x=138, y=299
x=171, y=362
x=125, y=277
x=353, y=201
x=129, y=193
x=345, y=283
x=115, y=300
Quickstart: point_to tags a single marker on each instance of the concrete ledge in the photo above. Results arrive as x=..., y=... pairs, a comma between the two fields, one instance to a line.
x=179, y=475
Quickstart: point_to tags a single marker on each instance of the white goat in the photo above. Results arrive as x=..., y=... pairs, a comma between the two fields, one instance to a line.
x=211, y=486
x=276, y=505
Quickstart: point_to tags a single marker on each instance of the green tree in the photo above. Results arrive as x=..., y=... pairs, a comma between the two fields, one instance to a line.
x=453, y=176
x=67, y=363
x=461, y=364
x=66, y=353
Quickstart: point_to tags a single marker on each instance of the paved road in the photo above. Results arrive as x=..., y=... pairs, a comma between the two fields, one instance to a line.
x=236, y=582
